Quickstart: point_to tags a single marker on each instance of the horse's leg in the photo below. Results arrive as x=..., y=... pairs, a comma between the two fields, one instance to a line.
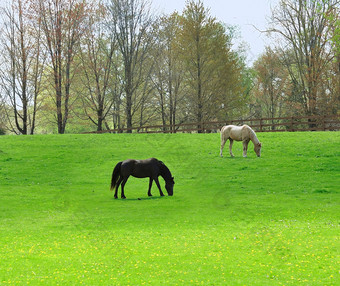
x=159, y=187
x=230, y=147
x=150, y=185
x=123, y=184
x=222, y=146
x=245, y=147
x=117, y=186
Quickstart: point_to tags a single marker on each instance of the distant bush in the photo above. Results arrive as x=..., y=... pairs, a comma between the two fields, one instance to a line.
x=2, y=131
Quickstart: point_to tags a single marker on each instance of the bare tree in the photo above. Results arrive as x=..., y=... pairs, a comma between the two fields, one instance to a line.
x=22, y=66
x=62, y=24
x=98, y=58
x=304, y=34
x=131, y=22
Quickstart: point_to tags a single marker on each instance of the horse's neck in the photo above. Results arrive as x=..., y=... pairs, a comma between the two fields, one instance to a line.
x=253, y=137
x=165, y=172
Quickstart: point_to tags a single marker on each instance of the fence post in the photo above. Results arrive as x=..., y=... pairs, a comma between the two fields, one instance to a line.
x=292, y=124
x=324, y=122
x=261, y=124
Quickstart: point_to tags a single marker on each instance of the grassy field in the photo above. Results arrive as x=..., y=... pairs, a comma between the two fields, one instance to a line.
x=272, y=220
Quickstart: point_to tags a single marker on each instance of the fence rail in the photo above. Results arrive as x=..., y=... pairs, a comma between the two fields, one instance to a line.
x=278, y=124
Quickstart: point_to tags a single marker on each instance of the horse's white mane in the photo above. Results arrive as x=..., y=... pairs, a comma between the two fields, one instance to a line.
x=252, y=135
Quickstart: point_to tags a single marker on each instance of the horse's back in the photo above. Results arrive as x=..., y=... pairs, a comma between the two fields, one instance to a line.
x=140, y=168
x=140, y=162
x=127, y=166
x=234, y=132
x=225, y=130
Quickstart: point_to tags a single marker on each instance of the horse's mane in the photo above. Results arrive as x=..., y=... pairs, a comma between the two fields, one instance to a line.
x=164, y=169
x=252, y=135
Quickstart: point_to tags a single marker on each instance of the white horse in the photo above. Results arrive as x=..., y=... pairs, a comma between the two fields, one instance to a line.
x=240, y=133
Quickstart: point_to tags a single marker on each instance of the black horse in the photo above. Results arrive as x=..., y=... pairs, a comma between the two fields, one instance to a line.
x=151, y=168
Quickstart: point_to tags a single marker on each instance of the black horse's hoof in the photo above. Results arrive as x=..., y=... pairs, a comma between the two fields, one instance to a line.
x=149, y=195
x=124, y=197
x=116, y=197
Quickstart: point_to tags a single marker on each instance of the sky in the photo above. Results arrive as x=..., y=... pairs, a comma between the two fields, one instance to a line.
x=245, y=14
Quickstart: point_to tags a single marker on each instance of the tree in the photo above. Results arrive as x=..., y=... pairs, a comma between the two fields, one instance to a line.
x=334, y=21
x=22, y=66
x=132, y=22
x=271, y=81
x=168, y=71
x=2, y=116
x=304, y=34
x=213, y=74
x=333, y=17
x=97, y=54
x=62, y=25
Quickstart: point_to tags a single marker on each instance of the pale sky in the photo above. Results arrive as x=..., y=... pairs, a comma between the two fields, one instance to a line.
x=241, y=13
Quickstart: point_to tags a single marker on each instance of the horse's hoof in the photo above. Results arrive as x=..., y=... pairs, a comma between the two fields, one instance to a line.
x=124, y=197
x=116, y=197
x=149, y=195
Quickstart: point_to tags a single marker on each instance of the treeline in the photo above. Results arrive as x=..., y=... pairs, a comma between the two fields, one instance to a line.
x=80, y=65
x=300, y=75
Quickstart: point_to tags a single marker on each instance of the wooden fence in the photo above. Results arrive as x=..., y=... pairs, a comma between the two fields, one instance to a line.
x=279, y=124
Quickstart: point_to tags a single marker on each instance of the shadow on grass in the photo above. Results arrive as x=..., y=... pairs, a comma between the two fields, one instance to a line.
x=139, y=199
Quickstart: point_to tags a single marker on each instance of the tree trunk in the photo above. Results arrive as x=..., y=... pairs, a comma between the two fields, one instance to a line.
x=199, y=95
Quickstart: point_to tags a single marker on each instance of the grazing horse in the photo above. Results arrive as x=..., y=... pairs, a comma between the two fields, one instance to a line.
x=151, y=168
x=240, y=133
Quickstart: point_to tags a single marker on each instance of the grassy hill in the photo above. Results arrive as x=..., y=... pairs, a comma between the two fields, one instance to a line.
x=232, y=221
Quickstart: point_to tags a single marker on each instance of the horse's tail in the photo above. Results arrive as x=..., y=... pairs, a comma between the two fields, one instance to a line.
x=115, y=175
x=222, y=132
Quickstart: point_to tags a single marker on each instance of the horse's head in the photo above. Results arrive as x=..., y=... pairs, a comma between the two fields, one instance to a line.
x=169, y=186
x=257, y=149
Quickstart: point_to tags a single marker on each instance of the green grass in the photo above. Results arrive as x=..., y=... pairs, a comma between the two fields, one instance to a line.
x=272, y=220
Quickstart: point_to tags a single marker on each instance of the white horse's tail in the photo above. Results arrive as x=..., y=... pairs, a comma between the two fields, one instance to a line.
x=223, y=131
x=223, y=139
